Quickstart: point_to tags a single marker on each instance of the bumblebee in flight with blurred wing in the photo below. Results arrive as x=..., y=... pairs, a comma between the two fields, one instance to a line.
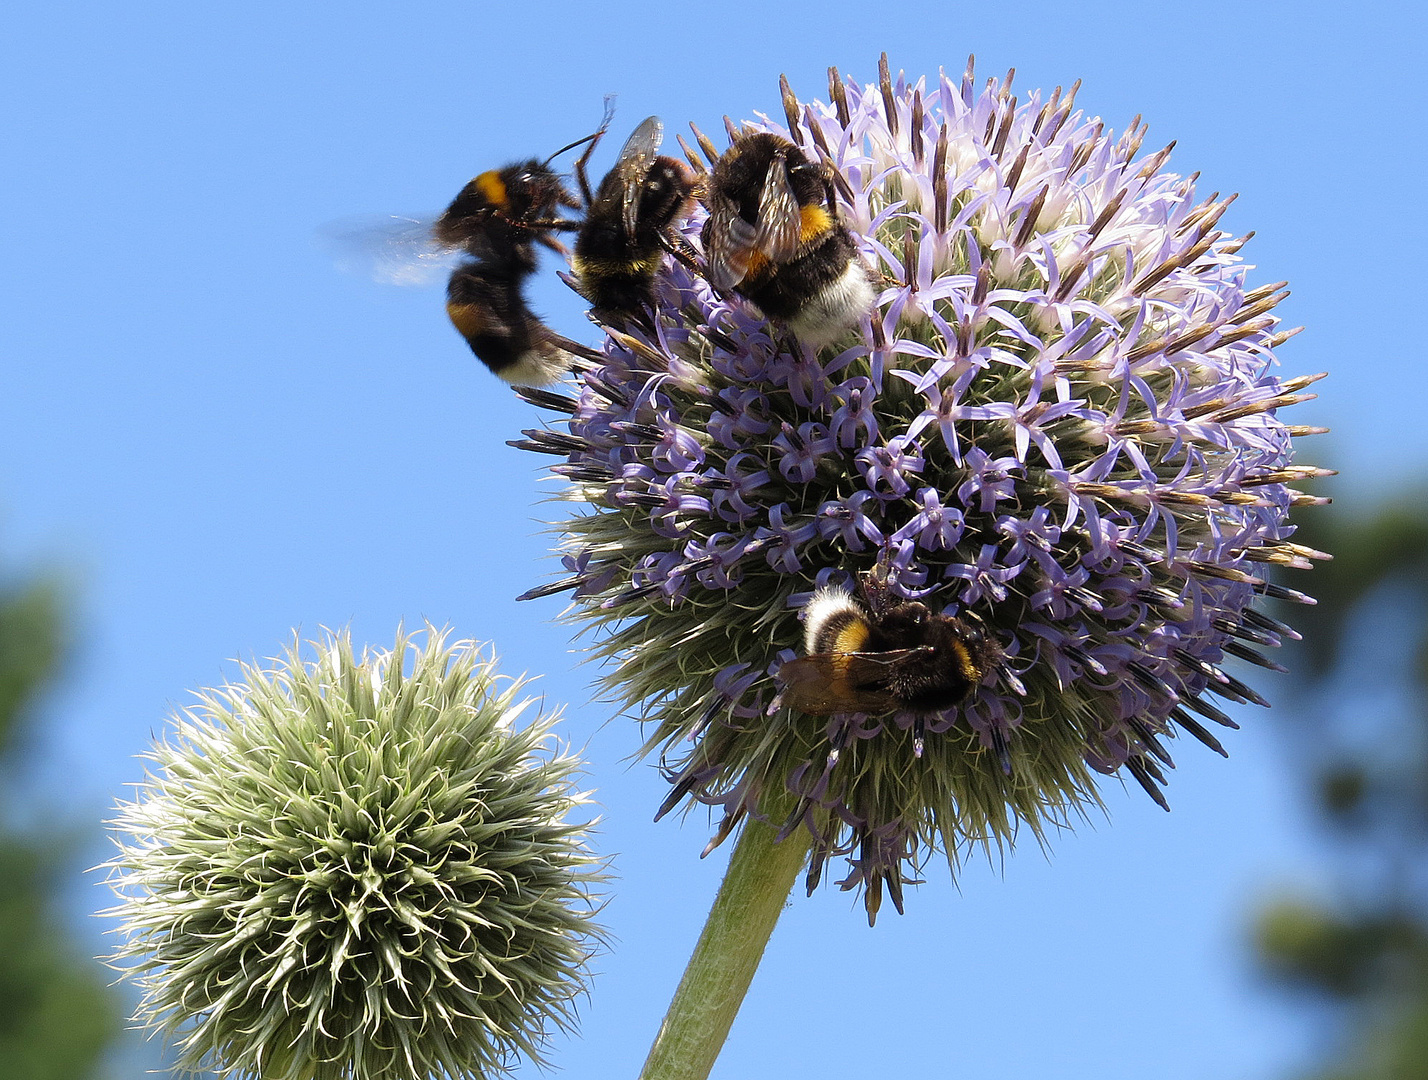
x=773, y=235
x=630, y=223
x=484, y=245
x=496, y=220
x=891, y=655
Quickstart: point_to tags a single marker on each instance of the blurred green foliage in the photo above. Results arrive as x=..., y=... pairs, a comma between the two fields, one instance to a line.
x=1361, y=728
x=57, y=1012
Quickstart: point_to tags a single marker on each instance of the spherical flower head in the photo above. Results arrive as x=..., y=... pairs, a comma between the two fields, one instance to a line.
x=1058, y=424
x=352, y=869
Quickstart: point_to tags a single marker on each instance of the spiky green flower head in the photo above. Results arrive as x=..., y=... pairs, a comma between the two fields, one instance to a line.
x=358, y=869
x=1059, y=424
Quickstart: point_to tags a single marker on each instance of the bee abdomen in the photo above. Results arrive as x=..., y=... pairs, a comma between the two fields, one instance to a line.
x=834, y=623
x=488, y=310
x=818, y=294
x=617, y=290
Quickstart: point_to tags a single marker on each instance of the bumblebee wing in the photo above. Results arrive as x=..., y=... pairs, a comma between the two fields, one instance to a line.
x=780, y=218
x=869, y=668
x=729, y=241
x=820, y=685
x=393, y=250
x=639, y=153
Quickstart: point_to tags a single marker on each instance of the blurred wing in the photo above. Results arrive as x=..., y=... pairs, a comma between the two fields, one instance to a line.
x=393, y=250
x=639, y=153
x=821, y=685
x=728, y=244
x=780, y=224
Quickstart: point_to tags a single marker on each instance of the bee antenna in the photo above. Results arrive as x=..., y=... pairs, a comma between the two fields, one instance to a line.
x=594, y=136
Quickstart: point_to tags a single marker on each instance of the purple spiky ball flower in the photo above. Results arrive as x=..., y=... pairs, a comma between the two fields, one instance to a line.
x=1060, y=423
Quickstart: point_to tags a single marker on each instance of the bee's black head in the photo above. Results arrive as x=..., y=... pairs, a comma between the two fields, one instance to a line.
x=502, y=199
x=665, y=194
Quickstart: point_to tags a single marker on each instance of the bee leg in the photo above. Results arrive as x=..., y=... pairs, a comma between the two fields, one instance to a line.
x=574, y=348
x=680, y=248
x=834, y=184
x=644, y=318
x=553, y=244
x=580, y=176
x=887, y=281
x=583, y=180
x=594, y=136
x=874, y=584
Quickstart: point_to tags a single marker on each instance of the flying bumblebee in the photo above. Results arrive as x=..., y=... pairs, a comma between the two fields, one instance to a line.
x=492, y=227
x=774, y=236
x=629, y=223
x=891, y=655
x=496, y=220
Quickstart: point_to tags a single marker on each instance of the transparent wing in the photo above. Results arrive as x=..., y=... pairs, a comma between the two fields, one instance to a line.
x=728, y=244
x=393, y=249
x=780, y=221
x=639, y=153
x=827, y=683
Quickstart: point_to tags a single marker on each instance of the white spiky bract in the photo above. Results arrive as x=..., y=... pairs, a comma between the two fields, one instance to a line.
x=357, y=869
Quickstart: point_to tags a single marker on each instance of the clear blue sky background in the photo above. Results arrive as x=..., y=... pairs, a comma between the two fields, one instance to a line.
x=223, y=438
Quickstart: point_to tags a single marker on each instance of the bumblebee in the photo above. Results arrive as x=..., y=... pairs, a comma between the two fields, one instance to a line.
x=889, y=656
x=629, y=223
x=496, y=220
x=509, y=208
x=773, y=235
x=486, y=303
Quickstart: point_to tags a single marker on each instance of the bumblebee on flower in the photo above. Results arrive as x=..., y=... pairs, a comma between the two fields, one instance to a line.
x=1052, y=432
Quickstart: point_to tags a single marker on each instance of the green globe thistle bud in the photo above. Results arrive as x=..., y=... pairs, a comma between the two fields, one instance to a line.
x=357, y=869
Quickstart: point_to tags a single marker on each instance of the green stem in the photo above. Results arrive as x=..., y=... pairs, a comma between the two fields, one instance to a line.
x=760, y=875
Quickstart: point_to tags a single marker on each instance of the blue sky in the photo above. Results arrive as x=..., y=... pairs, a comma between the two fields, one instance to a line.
x=221, y=438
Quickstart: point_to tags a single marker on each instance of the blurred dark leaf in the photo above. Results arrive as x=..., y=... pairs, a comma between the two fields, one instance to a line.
x=1343, y=787
x=1343, y=956
x=31, y=642
x=1392, y=544
x=1368, y=950
x=57, y=1012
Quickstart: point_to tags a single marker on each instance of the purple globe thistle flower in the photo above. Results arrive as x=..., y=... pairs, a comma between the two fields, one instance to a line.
x=1059, y=423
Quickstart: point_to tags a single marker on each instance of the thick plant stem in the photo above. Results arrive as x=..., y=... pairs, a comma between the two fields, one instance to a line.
x=760, y=875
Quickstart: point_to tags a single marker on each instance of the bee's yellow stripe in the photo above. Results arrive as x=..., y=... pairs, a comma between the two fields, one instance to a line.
x=587, y=267
x=964, y=661
x=467, y=318
x=491, y=186
x=851, y=638
x=813, y=222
